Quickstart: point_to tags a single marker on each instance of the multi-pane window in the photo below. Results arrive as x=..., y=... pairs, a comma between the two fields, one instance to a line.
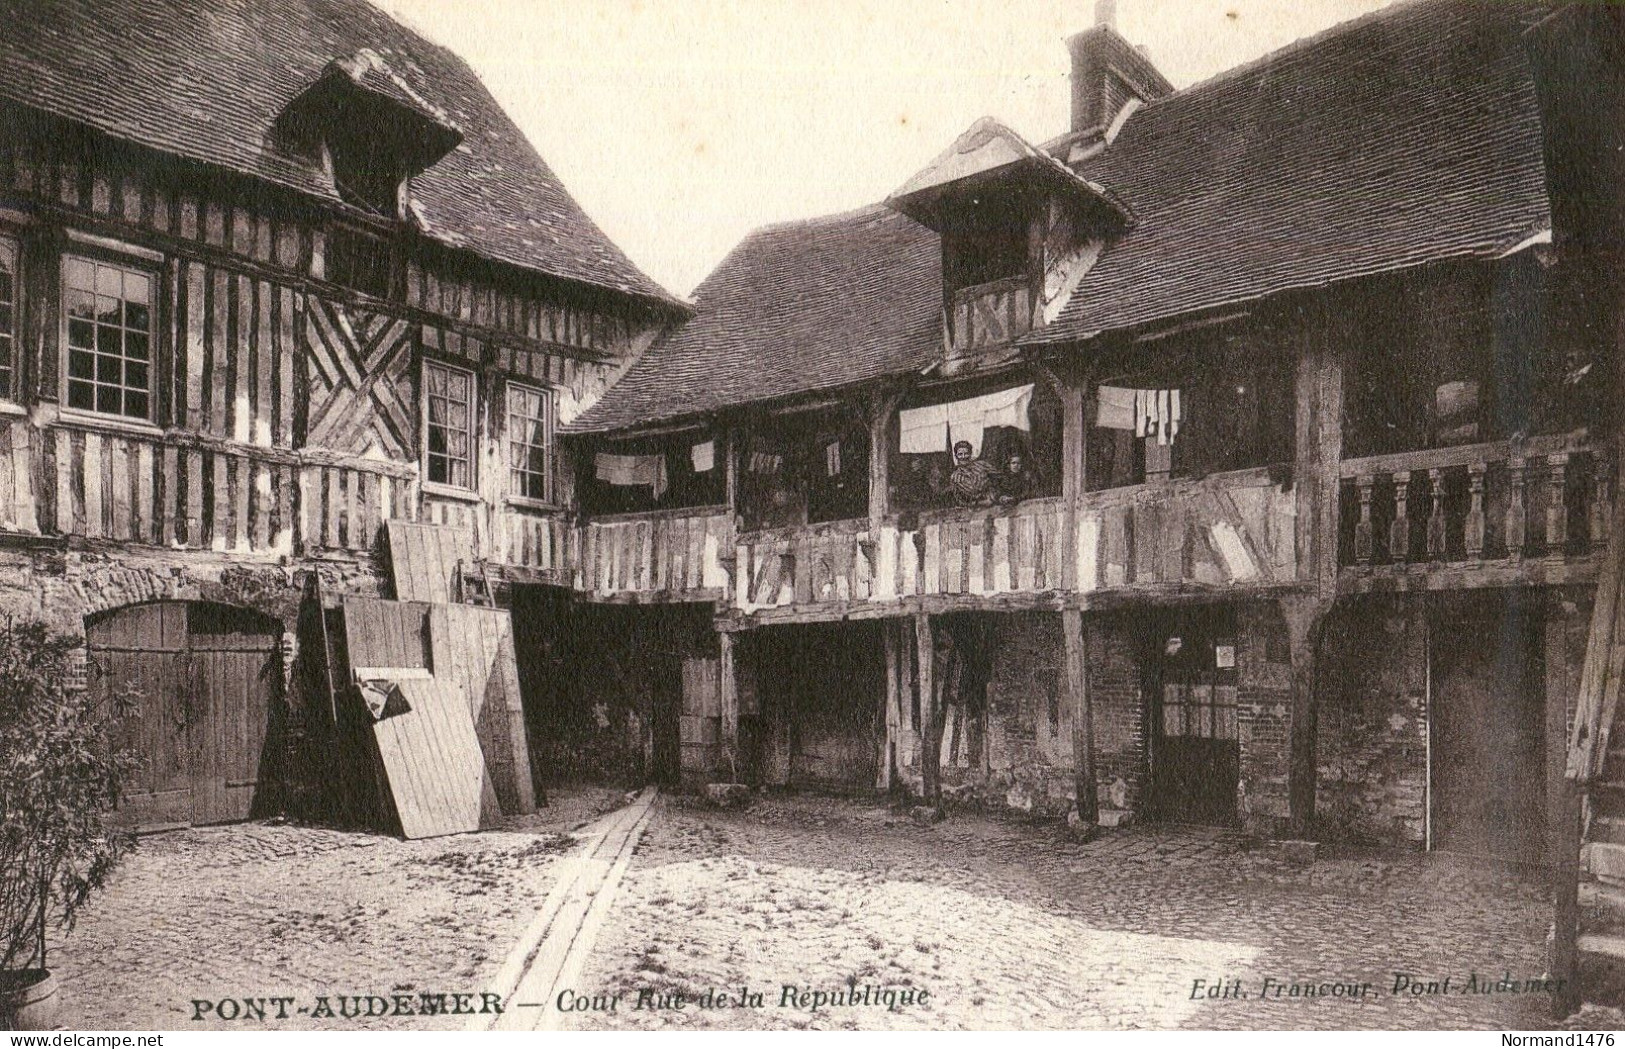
x=1199, y=694
x=530, y=441
x=109, y=358
x=8, y=318
x=448, y=402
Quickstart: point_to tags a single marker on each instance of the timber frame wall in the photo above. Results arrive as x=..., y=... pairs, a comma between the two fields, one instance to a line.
x=1530, y=511
x=286, y=420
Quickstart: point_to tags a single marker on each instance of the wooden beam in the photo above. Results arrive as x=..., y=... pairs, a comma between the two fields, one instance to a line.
x=728, y=695
x=1304, y=619
x=930, y=713
x=890, y=747
x=878, y=410
x=1076, y=640
x=1564, y=865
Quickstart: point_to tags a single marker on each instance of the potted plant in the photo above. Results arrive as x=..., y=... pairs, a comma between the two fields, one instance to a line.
x=60, y=777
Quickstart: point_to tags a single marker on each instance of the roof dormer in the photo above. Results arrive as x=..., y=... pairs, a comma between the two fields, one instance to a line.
x=1006, y=210
x=371, y=129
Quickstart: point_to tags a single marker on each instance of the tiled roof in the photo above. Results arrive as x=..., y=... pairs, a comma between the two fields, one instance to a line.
x=1407, y=136
x=208, y=79
x=794, y=308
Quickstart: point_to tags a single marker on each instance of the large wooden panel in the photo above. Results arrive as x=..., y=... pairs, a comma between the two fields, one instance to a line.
x=431, y=758
x=473, y=649
x=424, y=560
x=386, y=633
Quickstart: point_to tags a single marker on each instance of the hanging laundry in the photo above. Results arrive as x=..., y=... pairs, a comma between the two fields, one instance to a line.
x=939, y=427
x=832, y=458
x=632, y=470
x=765, y=463
x=1155, y=413
x=1114, y=407
x=704, y=457
x=922, y=431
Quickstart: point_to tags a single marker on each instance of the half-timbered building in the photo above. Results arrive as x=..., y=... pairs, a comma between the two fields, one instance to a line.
x=1238, y=456
x=272, y=276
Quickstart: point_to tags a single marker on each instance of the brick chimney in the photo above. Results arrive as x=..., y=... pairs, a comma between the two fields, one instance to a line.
x=1107, y=71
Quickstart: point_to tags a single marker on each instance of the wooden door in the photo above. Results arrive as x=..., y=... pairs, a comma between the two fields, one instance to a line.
x=236, y=678
x=1197, y=755
x=207, y=679
x=1488, y=731
x=140, y=652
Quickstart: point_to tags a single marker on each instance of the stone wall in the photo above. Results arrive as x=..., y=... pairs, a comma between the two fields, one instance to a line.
x=1017, y=752
x=1029, y=718
x=1371, y=739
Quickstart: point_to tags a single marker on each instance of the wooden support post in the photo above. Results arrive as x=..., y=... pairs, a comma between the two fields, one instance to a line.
x=1564, y=963
x=878, y=411
x=1565, y=819
x=728, y=690
x=890, y=746
x=930, y=712
x=1076, y=638
x=1304, y=618
x=731, y=443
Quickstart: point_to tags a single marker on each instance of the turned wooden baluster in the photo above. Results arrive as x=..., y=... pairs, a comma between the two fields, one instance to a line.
x=1362, y=529
x=1436, y=517
x=1515, y=509
x=1557, y=515
x=1399, y=538
x=1602, y=473
x=1473, y=527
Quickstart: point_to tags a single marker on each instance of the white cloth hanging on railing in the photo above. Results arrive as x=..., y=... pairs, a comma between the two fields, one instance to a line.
x=1149, y=413
x=938, y=427
x=632, y=470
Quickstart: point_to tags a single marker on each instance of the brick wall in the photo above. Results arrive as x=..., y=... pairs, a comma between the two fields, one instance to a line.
x=1263, y=717
x=1119, y=713
x=1020, y=756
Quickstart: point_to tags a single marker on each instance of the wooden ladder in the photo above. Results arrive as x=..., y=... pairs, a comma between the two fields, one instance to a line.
x=476, y=588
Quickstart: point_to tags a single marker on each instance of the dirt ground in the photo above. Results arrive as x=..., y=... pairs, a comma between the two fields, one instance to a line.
x=230, y=916
x=1008, y=925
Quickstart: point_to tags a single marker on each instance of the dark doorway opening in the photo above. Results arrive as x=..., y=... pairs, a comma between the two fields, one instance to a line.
x=616, y=693
x=822, y=690
x=1487, y=727
x=1191, y=679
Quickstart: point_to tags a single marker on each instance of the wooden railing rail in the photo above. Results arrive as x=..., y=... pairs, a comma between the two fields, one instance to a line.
x=1507, y=500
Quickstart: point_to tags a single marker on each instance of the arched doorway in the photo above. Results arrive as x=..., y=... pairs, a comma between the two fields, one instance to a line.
x=208, y=680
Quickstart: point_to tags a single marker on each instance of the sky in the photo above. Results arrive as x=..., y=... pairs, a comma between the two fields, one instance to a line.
x=681, y=125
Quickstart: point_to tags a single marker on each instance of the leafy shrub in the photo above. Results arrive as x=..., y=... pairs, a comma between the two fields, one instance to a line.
x=60, y=777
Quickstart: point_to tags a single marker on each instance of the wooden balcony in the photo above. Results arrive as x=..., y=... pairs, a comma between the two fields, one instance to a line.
x=1231, y=531
x=973, y=557
x=1501, y=513
x=990, y=315
x=664, y=555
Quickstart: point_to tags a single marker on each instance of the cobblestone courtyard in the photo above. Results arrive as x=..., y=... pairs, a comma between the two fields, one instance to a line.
x=258, y=911
x=1001, y=924
x=1007, y=925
